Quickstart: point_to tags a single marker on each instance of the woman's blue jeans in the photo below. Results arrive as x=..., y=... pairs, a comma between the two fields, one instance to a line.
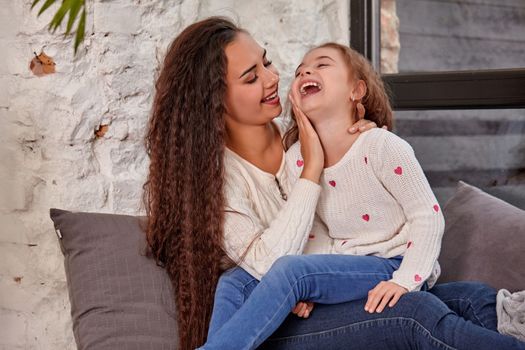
x=451, y=316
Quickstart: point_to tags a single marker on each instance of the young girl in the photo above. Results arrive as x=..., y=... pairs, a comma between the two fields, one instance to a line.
x=375, y=202
x=374, y=178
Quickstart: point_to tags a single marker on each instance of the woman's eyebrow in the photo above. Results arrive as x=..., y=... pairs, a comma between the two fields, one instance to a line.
x=252, y=67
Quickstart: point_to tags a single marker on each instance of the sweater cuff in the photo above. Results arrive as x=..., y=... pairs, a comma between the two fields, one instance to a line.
x=411, y=287
x=307, y=192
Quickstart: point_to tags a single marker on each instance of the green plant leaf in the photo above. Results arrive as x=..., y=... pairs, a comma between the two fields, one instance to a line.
x=79, y=37
x=34, y=3
x=59, y=16
x=75, y=9
x=45, y=6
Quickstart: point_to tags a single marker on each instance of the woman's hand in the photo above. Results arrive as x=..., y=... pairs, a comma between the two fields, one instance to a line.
x=303, y=309
x=362, y=124
x=311, y=148
x=385, y=292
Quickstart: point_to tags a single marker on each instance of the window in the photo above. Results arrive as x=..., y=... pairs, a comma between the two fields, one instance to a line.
x=460, y=91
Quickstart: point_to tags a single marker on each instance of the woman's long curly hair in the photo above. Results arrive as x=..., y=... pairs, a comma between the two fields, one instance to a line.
x=183, y=193
x=375, y=101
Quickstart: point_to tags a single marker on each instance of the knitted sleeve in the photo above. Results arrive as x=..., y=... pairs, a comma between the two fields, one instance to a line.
x=400, y=173
x=256, y=246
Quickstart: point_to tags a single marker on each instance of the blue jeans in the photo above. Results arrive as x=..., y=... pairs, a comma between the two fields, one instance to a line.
x=326, y=279
x=419, y=320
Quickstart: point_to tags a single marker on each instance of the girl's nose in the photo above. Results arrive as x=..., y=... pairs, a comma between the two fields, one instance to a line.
x=306, y=71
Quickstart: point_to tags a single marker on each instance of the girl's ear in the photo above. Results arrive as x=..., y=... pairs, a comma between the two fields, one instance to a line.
x=359, y=90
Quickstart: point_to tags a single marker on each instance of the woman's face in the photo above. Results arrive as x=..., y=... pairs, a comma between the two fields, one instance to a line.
x=252, y=83
x=322, y=82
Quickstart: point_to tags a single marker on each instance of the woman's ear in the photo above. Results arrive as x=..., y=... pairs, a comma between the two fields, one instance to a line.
x=359, y=90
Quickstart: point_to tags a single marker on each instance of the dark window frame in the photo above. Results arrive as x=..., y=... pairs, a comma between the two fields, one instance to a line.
x=468, y=89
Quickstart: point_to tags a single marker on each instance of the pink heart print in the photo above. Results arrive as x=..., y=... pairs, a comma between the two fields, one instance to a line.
x=409, y=244
x=332, y=183
x=311, y=236
x=300, y=163
x=417, y=278
x=366, y=217
x=398, y=170
x=436, y=208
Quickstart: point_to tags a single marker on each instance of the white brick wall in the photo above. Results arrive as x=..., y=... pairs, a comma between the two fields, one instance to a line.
x=49, y=155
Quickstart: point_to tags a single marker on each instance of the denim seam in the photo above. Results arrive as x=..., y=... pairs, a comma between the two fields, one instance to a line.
x=471, y=307
x=244, y=290
x=365, y=323
x=291, y=291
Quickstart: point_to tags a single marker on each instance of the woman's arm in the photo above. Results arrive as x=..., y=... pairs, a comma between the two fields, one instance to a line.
x=254, y=245
x=247, y=240
x=362, y=124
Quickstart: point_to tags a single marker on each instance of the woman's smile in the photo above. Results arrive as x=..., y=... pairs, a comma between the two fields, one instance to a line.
x=272, y=99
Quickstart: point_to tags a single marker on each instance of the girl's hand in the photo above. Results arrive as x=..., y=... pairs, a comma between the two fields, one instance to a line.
x=311, y=148
x=362, y=124
x=303, y=309
x=385, y=292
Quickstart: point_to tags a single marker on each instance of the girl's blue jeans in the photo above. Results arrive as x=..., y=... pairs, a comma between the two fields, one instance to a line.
x=449, y=316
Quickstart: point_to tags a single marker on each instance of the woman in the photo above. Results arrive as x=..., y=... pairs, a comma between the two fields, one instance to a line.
x=207, y=99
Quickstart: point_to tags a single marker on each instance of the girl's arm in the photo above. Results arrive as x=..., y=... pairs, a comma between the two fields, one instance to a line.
x=401, y=174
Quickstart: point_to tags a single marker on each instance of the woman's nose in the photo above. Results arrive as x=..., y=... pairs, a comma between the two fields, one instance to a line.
x=272, y=79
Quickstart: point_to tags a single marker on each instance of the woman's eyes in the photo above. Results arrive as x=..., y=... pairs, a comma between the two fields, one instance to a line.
x=254, y=79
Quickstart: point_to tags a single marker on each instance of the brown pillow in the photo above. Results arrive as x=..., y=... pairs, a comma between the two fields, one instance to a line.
x=484, y=240
x=119, y=298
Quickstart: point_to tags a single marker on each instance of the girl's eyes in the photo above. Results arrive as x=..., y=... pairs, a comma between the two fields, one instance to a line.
x=320, y=65
x=266, y=64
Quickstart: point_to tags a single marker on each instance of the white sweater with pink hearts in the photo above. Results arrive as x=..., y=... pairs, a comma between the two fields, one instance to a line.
x=377, y=201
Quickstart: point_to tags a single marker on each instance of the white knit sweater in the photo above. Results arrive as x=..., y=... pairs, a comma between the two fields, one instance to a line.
x=376, y=201
x=260, y=225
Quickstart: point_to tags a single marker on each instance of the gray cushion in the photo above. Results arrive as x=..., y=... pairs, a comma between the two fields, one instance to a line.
x=120, y=299
x=484, y=240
